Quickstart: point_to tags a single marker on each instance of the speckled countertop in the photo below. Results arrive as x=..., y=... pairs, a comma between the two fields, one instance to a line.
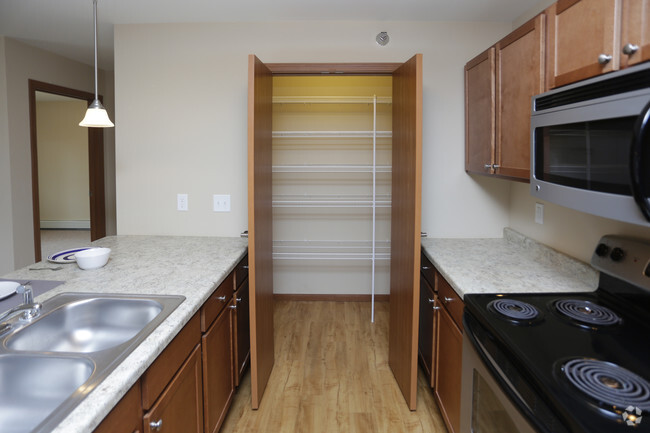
x=188, y=266
x=510, y=264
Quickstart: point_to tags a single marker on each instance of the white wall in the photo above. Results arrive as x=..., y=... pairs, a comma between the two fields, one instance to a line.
x=181, y=95
x=22, y=62
x=6, y=214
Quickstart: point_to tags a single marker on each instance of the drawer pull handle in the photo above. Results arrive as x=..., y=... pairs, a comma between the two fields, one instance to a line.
x=435, y=307
x=156, y=425
x=447, y=300
x=604, y=59
x=221, y=298
x=630, y=49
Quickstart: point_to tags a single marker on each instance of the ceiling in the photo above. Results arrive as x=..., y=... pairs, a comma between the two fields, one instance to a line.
x=65, y=27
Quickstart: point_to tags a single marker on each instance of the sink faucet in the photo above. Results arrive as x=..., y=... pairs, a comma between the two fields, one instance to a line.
x=29, y=308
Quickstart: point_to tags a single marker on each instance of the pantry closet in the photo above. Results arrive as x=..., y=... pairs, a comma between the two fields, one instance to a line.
x=334, y=196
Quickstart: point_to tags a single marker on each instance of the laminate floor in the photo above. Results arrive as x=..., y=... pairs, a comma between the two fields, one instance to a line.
x=331, y=374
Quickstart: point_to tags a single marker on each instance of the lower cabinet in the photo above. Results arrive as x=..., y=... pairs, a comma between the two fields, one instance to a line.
x=218, y=381
x=440, y=343
x=180, y=407
x=190, y=386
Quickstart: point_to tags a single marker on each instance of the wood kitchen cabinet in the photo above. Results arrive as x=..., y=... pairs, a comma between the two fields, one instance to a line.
x=441, y=341
x=126, y=416
x=591, y=37
x=241, y=332
x=499, y=85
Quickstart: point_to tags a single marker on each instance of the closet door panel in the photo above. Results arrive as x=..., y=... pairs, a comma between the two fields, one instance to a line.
x=405, y=226
x=260, y=225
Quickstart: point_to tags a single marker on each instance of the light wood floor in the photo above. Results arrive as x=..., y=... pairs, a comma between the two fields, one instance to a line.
x=331, y=374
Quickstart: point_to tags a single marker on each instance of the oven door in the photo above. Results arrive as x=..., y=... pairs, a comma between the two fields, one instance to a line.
x=485, y=408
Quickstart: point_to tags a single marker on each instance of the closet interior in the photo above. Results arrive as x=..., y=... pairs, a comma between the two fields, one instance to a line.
x=332, y=147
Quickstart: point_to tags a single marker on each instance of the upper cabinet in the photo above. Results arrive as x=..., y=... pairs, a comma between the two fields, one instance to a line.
x=499, y=85
x=591, y=37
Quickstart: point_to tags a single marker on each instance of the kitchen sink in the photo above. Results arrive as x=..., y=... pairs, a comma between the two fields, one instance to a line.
x=49, y=364
x=31, y=387
x=89, y=325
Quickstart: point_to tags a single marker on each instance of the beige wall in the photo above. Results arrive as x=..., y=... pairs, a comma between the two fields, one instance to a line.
x=181, y=95
x=62, y=162
x=22, y=62
x=6, y=215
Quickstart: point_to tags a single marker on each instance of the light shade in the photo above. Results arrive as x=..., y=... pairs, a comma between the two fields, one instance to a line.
x=96, y=116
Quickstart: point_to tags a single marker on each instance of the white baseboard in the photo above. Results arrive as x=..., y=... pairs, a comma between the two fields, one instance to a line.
x=66, y=225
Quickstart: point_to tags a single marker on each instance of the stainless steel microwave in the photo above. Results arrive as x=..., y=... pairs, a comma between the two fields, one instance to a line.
x=590, y=145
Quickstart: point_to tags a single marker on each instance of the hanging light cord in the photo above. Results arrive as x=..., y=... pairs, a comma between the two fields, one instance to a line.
x=95, y=25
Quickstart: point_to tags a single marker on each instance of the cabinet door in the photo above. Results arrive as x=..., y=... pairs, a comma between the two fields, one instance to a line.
x=579, y=32
x=479, y=113
x=126, y=416
x=241, y=334
x=426, y=344
x=635, y=32
x=179, y=408
x=448, y=370
x=519, y=76
x=218, y=385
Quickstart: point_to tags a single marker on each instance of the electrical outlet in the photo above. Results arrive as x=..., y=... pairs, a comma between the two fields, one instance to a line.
x=181, y=202
x=539, y=213
x=221, y=202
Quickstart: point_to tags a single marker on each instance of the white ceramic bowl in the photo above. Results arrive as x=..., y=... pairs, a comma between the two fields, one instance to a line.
x=92, y=258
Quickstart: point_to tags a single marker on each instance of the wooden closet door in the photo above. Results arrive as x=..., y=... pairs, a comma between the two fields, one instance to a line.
x=260, y=225
x=405, y=226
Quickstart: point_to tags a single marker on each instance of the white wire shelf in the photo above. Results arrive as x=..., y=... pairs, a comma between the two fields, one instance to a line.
x=327, y=134
x=330, y=168
x=330, y=250
x=331, y=200
x=331, y=100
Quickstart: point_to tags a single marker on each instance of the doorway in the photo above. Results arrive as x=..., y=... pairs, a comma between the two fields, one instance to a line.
x=67, y=169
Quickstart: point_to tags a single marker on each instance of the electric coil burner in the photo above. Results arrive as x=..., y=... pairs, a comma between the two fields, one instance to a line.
x=570, y=362
x=608, y=384
x=587, y=312
x=513, y=309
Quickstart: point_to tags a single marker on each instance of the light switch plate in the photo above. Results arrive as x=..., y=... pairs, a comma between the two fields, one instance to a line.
x=181, y=202
x=221, y=202
x=539, y=213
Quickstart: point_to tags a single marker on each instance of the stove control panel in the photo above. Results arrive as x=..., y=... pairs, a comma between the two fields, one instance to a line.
x=625, y=258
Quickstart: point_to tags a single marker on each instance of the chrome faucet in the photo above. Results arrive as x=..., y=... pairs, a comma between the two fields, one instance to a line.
x=29, y=308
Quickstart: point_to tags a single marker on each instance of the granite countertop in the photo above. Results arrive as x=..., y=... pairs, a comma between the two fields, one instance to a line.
x=512, y=264
x=166, y=265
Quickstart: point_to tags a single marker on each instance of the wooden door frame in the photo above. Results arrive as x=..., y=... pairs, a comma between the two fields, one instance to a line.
x=320, y=69
x=95, y=164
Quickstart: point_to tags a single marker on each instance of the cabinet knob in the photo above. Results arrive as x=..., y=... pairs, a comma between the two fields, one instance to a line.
x=488, y=166
x=435, y=307
x=245, y=267
x=426, y=268
x=238, y=299
x=630, y=49
x=495, y=166
x=232, y=307
x=156, y=425
x=447, y=300
x=604, y=59
x=431, y=301
x=221, y=298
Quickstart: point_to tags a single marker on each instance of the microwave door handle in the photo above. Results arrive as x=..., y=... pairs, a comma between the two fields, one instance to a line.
x=640, y=162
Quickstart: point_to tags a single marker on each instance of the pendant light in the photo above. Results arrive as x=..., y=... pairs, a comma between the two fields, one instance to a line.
x=96, y=115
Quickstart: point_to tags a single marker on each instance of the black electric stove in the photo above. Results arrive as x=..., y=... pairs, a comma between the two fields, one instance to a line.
x=574, y=362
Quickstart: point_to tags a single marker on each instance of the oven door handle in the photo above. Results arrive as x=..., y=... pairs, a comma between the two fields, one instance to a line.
x=640, y=162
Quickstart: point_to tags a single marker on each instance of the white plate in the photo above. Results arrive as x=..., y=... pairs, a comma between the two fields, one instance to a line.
x=8, y=288
x=65, y=256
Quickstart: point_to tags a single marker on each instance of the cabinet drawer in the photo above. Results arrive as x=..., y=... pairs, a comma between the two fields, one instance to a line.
x=451, y=301
x=428, y=271
x=241, y=272
x=216, y=302
x=158, y=375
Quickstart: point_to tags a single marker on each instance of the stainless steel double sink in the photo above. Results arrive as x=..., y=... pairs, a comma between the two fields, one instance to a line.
x=51, y=363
